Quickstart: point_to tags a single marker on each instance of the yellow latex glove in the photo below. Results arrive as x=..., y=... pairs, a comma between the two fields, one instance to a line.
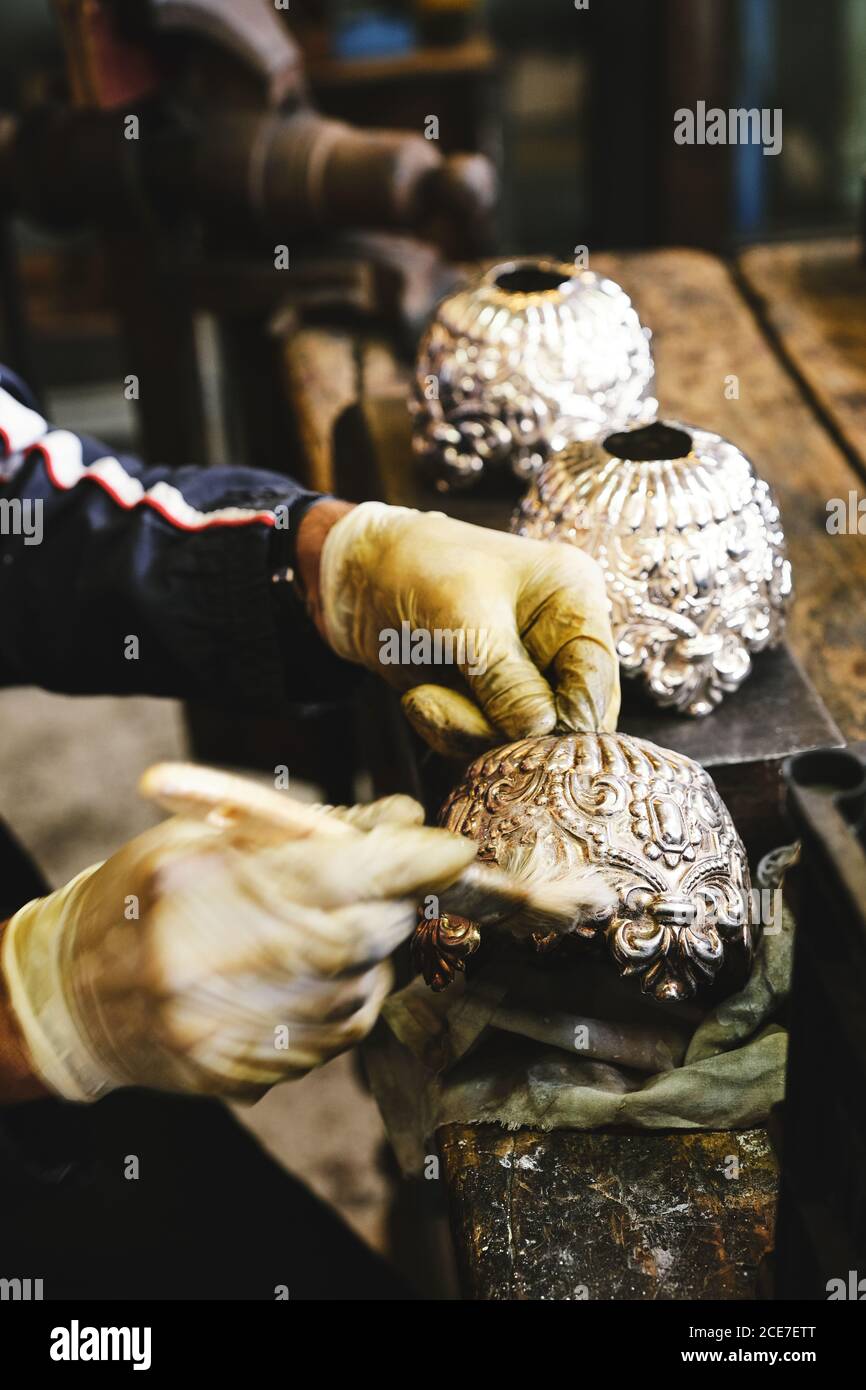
x=536, y=650
x=245, y=966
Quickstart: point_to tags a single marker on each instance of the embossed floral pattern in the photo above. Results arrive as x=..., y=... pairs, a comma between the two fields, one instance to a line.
x=693, y=554
x=506, y=377
x=649, y=819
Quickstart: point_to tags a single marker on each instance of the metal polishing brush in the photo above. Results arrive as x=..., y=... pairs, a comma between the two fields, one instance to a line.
x=483, y=895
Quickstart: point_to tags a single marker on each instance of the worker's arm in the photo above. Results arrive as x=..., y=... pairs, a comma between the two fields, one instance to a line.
x=116, y=578
x=160, y=581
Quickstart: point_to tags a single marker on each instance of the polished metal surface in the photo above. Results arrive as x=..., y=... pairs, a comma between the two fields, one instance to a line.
x=442, y=945
x=691, y=546
x=649, y=820
x=530, y=356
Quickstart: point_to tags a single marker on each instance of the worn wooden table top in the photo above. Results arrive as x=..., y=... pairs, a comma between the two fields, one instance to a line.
x=811, y=296
x=770, y=352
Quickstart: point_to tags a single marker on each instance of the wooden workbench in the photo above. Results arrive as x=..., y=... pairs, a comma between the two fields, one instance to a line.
x=770, y=352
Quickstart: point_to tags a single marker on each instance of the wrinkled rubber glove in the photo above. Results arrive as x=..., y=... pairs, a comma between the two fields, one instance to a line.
x=245, y=966
x=537, y=647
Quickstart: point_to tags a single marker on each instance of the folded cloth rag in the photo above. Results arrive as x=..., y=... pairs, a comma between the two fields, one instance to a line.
x=441, y=1059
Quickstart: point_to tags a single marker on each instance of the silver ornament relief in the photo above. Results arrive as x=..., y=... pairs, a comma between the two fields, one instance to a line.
x=530, y=356
x=691, y=544
x=649, y=820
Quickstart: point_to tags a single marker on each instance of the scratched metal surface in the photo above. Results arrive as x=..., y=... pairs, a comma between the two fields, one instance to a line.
x=572, y=1216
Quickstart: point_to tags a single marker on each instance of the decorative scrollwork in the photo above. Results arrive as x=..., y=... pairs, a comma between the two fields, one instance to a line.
x=650, y=820
x=692, y=551
x=441, y=946
x=507, y=375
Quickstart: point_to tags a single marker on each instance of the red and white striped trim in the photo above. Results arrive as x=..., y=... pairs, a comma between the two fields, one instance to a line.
x=19, y=425
x=66, y=468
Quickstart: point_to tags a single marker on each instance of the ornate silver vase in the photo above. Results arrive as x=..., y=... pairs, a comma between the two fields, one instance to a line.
x=532, y=355
x=650, y=821
x=691, y=544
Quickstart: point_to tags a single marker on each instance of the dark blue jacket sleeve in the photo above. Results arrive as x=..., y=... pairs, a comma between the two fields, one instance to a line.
x=116, y=578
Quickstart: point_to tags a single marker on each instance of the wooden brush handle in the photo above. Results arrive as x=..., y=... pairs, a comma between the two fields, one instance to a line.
x=262, y=816
x=227, y=802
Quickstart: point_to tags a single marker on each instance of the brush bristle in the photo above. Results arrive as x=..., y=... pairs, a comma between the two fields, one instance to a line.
x=563, y=903
x=557, y=899
x=525, y=899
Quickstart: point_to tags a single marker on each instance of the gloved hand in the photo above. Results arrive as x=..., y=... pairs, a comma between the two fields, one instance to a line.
x=245, y=965
x=537, y=648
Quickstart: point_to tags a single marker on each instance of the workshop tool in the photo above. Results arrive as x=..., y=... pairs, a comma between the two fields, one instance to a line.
x=482, y=896
x=260, y=815
x=224, y=125
x=229, y=207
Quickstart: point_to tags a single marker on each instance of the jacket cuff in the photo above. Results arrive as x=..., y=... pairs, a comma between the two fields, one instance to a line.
x=279, y=657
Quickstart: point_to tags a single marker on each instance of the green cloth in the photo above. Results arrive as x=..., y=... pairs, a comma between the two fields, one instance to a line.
x=435, y=1059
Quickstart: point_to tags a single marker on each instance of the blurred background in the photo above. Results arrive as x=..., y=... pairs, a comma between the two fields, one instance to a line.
x=574, y=107
x=530, y=127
